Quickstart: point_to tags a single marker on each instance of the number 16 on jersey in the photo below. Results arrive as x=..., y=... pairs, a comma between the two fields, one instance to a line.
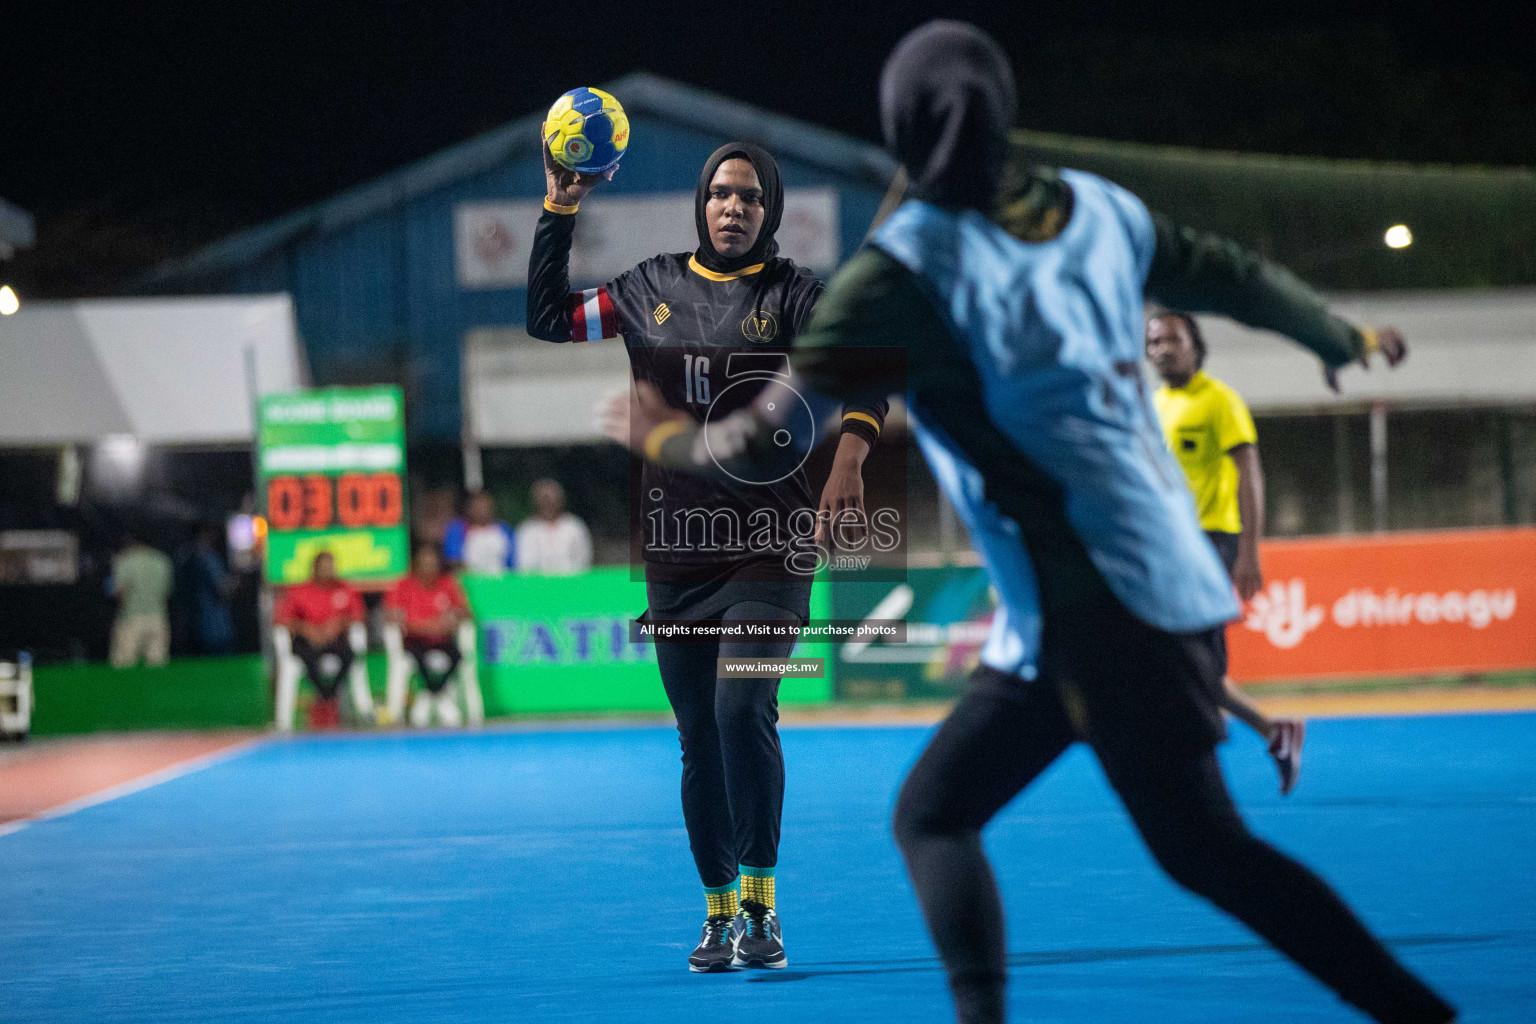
x=696, y=379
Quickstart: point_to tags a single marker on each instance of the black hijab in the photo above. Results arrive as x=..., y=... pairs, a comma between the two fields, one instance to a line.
x=947, y=100
x=764, y=247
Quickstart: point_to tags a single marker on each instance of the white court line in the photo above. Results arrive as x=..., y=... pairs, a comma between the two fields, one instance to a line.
x=143, y=782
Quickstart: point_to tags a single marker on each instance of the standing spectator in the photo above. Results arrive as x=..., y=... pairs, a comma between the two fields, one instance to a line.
x=206, y=587
x=552, y=541
x=431, y=514
x=429, y=605
x=478, y=542
x=319, y=615
x=141, y=582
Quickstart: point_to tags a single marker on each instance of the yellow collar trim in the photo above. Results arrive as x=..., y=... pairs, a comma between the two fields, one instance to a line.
x=703, y=271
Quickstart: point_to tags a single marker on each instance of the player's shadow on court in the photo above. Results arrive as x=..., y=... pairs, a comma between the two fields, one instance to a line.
x=1057, y=957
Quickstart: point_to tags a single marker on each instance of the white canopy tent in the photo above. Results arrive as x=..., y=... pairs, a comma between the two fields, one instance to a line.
x=522, y=391
x=172, y=371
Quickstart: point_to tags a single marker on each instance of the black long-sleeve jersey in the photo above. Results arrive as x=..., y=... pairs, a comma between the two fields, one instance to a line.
x=710, y=343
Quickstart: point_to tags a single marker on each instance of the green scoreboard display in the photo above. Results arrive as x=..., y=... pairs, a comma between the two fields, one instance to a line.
x=331, y=467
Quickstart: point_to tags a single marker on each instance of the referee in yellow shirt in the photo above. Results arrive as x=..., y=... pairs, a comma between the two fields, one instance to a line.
x=1211, y=433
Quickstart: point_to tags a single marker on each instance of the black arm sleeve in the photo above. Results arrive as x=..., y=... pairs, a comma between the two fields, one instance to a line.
x=1204, y=273
x=854, y=349
x=549, y=287
x=864, y=417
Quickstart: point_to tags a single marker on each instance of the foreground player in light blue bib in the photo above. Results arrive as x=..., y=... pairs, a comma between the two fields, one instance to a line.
x=1010, y=299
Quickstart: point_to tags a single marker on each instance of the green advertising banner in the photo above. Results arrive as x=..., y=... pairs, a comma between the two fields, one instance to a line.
x=948, y=612
x=562, y=643
x=331, y=465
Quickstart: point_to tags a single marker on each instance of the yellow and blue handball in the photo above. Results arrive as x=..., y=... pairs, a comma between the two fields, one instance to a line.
x=587, y=131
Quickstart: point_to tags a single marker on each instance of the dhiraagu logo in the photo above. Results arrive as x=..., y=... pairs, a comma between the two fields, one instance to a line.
x=1283, y=613
x=568, y=641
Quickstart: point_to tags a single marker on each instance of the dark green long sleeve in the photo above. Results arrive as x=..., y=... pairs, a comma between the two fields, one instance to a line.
x=1193, y=271
x=1199, y=272
x=856, y=347
x=873, y=325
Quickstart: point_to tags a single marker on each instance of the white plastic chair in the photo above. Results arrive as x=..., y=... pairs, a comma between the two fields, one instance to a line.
x=290, y=670
x=465, y=683
x=16, y=698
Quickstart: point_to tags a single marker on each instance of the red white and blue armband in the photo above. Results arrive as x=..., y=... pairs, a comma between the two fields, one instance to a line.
x=593, y=316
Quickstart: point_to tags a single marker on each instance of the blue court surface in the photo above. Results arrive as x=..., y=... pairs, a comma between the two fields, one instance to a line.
x=538, y=876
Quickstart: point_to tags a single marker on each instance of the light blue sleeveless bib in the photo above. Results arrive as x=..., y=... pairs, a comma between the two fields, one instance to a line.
x=1054, y=330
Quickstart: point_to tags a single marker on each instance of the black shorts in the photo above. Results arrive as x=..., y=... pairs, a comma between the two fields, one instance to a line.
x=1226, y=547
x=1226, y=550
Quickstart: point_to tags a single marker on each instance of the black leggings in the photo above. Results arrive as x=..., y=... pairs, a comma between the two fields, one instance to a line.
x=733, y=767
x=326, y=682
x=1002, y=734
x=421, y=647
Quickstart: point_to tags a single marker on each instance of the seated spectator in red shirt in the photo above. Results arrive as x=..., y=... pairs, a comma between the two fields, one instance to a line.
x=318, y=614
x=429, y=605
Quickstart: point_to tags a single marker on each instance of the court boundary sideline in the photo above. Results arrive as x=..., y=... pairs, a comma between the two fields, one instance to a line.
x=178, y=769
x=1478, y=700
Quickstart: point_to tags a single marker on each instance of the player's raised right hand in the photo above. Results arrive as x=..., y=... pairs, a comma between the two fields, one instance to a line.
x=1388, y=341
x=564, y=187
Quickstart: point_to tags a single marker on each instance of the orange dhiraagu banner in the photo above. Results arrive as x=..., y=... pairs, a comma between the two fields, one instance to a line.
x=1396, y=604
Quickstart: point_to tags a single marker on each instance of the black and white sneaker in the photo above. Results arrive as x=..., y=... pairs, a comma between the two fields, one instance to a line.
x=717, y=947
x=759, y=939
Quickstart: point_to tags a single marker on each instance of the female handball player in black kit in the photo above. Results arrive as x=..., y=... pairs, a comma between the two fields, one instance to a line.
x=734, y=551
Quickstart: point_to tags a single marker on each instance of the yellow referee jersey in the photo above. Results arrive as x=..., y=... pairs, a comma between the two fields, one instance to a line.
x=1203, y=421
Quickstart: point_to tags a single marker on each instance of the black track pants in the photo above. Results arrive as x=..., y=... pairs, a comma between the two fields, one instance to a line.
x=1004, y=732
x=312, y=657
x=421, y=648
x=733, y=768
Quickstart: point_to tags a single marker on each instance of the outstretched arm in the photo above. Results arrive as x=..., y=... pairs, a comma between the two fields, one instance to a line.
x=853, y=352
x=1201, y=272
x=748, y=442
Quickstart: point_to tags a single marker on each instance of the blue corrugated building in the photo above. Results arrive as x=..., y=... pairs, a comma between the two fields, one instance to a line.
x=17, y=230
x=379, y=289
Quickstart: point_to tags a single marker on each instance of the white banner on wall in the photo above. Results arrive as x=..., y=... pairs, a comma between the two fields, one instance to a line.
x=613, y=233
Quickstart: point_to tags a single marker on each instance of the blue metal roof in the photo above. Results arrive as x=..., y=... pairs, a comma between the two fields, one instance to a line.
x=16, y=227
x=641, y=93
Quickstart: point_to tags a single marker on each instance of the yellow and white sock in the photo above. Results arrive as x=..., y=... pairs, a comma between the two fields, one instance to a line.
x=722, y=900
x=757, y=885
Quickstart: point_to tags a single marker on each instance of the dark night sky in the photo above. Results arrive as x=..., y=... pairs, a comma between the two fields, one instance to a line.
x=171, y=122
